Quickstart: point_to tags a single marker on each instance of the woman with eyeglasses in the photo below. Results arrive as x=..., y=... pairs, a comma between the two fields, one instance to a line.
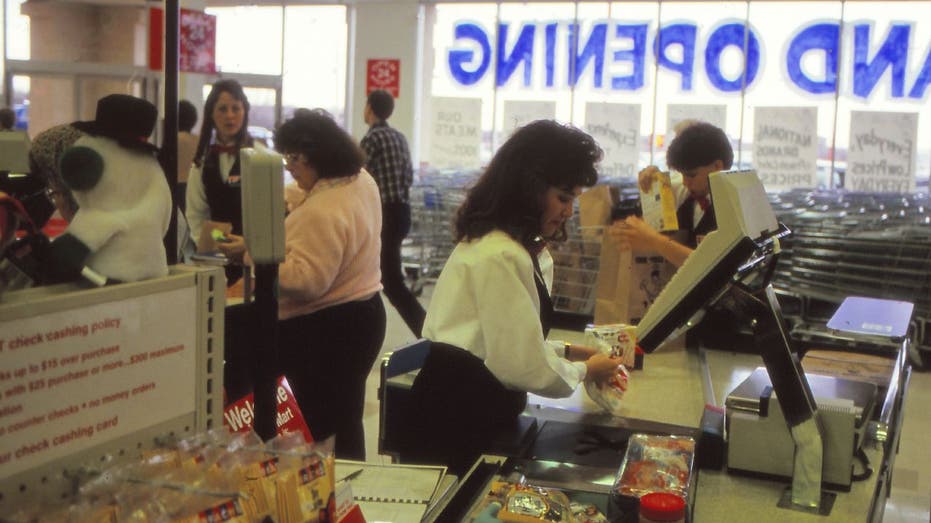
x=491, y=309
x=331, y=317
x=698, y=150
x=213, y=186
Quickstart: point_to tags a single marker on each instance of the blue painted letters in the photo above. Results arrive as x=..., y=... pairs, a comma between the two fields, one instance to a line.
x=727, y=35
x=893, y=53
x=674, y=49
x=594, y=49
x=677, y=34
x=638, y=35
x=458, y=58
x=522, y=52
x=818, y=37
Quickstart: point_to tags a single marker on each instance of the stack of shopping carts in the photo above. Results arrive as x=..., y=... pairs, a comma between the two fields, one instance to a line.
x=854, y=244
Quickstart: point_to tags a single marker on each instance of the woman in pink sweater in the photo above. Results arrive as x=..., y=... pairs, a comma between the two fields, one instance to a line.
x=330, y=316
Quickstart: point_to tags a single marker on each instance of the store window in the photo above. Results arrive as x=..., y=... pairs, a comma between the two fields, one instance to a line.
x=315, y=58
x=828, y=70
x=885, y=63
x=248, y=39
x=805, y=81
x=701, y=68
x=16, y=32
x=461, y=86
x=311, y=57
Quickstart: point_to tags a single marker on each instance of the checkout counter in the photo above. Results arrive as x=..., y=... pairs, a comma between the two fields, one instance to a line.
x=817, y=430
x=668, y=396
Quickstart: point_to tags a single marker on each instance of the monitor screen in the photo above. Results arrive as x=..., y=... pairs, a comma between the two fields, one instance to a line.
x=744, y=218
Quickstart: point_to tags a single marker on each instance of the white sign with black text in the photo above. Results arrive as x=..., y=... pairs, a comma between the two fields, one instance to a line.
x=518, y=113
x=74, y=379
x=881, y=156
x=785, y=146
x=677, y=113
x=616, y=128
x=455, y=132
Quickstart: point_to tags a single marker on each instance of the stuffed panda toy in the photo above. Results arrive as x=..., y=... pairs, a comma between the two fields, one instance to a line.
x=124, y=203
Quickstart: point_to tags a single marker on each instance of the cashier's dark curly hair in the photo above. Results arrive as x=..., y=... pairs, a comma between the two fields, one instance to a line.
x=509, y=195
x=325, y=145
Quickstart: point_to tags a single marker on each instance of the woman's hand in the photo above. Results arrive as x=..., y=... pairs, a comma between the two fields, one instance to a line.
x=646, y=176
x=602, y=366
x=234, y=248
x=636, y=234
x=580, y=352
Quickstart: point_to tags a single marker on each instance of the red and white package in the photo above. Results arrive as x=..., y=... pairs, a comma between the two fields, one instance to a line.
x=609, y=393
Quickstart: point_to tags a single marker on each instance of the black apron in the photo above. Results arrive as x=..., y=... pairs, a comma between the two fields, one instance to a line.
x=225, y=201
x=459, y=406
x=718, y=328
x=686, y=216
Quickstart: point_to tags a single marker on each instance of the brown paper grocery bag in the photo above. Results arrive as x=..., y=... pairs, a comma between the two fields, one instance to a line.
x=628, y=283
x=595, y=207
x=612, y=283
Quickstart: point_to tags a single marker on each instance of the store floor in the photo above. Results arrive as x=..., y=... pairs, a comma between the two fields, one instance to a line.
x=910, y=501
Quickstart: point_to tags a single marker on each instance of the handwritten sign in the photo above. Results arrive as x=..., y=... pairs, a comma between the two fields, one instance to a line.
x=677, y=113
x=616, y=128
x=74, y=379
x=518, y=113
x=881, y=156
x=785, y=146
x=455, y=132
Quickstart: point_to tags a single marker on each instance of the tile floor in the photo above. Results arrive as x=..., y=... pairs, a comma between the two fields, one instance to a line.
x=909, y=502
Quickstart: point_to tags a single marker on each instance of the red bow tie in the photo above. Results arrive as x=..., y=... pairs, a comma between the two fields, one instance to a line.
x=702, y=202
x=228, y=149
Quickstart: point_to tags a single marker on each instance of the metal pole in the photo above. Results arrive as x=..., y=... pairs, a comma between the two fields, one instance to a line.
x=169, y=153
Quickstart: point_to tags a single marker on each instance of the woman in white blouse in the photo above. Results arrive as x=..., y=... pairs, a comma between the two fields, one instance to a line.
x=490, y=311
x=213, y=188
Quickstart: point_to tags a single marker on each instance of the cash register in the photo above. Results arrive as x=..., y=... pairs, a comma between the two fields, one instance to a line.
x=739, y=259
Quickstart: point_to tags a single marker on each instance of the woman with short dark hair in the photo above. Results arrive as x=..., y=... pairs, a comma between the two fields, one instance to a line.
x=490, y=311
x=330, y=314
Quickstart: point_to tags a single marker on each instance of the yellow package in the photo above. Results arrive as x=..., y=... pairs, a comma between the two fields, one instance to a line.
x=659, y=204
x=306, y=484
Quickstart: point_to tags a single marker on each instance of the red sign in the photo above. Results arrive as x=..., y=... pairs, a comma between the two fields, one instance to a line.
x=197, y=41
x=383, y=74
x=239, y=416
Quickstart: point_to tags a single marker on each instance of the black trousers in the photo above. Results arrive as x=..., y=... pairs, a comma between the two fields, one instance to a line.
x=457, y=409
x=396, y=223
x=327, y=356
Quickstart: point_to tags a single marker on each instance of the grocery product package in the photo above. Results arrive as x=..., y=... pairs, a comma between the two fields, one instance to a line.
x=653, y=463
x=622, y=339
x=609, y=393
x=520, y=502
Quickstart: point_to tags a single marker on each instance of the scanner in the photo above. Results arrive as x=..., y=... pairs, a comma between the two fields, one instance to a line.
x=759, y=441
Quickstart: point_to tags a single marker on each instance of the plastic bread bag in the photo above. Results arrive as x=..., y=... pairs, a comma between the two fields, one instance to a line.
x=609, y=393
x=255, y=471
x=522, y=503
x=201, y=508
x=306, y=484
